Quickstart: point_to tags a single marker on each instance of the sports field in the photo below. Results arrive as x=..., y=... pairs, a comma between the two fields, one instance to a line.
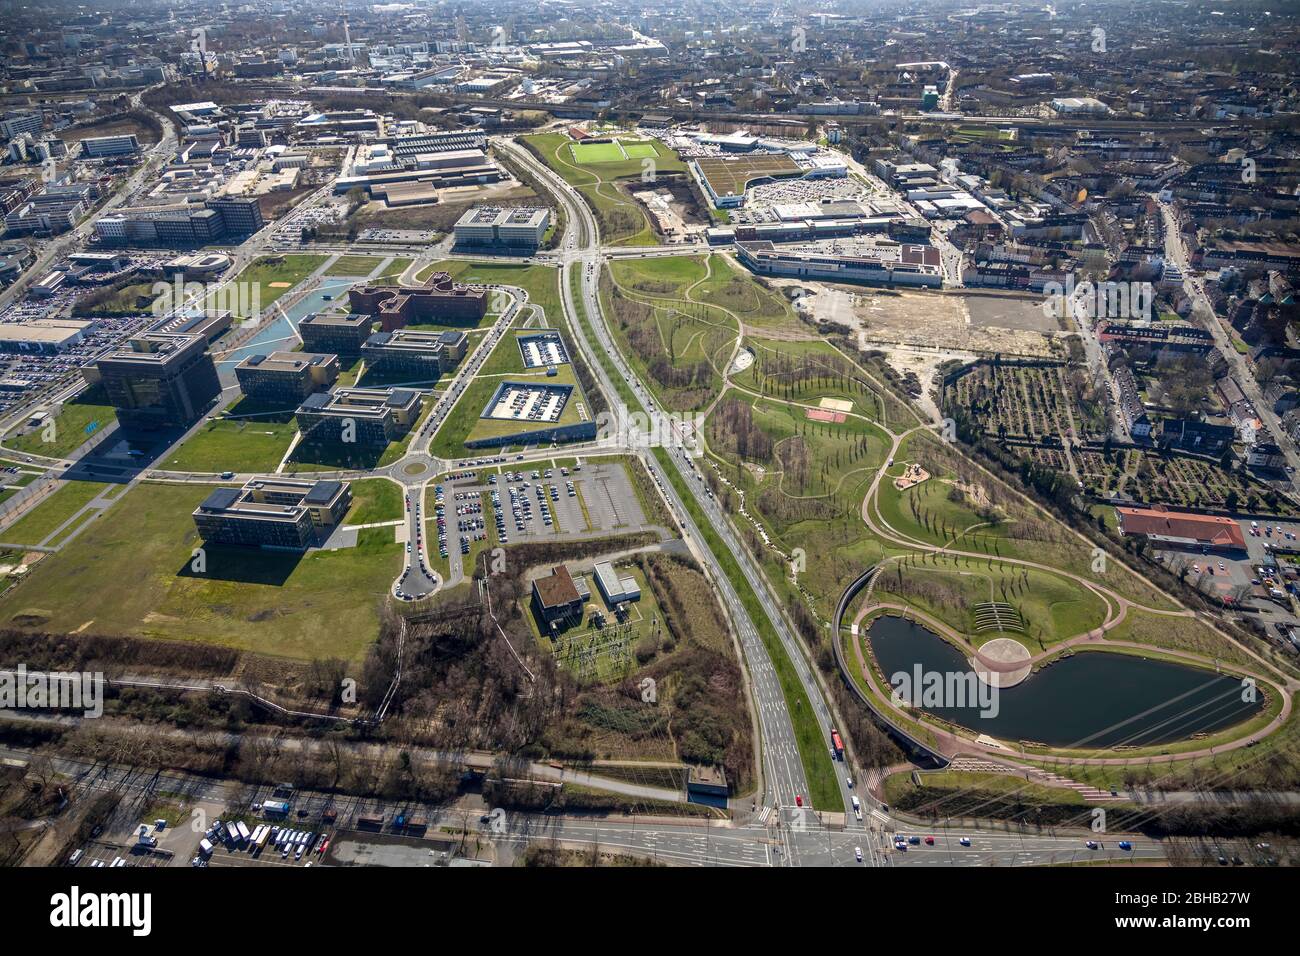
x=615, y=151
x=639, y=149
x=597, y=153
x=598, y=176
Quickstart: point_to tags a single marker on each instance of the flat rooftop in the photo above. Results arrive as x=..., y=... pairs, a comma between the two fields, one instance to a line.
x=251, y=500
x=513, y=216
x=287, y=361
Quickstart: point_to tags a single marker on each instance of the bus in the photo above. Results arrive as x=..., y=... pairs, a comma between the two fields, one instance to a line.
x=837, y=744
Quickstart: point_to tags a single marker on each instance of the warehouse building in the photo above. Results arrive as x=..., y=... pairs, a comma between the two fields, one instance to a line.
x=277, y=514
x=45, y=336
x=286, y=377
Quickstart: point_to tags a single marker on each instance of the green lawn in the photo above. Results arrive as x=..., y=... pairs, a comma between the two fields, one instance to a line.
x=273, y=276
x=75, y=422
x=394, y=270
x=375, y=499
x=239, y=445
x=588, y=153
x=324, y=604
x=542, y=282
x=360, y=266
x=39, y=523
x=505, y=363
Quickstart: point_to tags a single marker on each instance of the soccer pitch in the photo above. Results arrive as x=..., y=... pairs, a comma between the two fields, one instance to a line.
x=589, y=153
x=639, y=149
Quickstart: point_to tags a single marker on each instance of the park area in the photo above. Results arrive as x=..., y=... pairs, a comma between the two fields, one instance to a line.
x=678, y=320
x=70, y=426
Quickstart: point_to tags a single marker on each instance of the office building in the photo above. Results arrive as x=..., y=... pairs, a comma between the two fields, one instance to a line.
x=240, y=215
x=273, y=513
x=158, y=380
x=338, y=334
x=440, y=301
x=16, y=124
x=368, y=417
x=518, y=230
x=95, y=147
x=418, y=355
x=286, y=378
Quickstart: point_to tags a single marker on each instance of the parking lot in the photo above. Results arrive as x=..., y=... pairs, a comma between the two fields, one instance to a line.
x=547, y=501
x=1263, y=579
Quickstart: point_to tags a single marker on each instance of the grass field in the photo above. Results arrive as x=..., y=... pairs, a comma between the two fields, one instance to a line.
x=541, y=282
x=360, y=266
x=39, y=523
x=135, y=298
x=273, y=276
x=679, y=343
x=319, y=605
x=622, y=220
x=588, y=153
x=375, y=499
x=640, y=149
x=1053, y=608
x=75, y=422
x=239, y=445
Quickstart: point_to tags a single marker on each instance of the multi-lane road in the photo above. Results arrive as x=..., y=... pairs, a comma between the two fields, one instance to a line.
x=764, y=841
x=784, y=775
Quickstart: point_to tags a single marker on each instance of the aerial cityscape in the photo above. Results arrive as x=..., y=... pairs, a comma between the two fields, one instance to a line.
x=582, y=433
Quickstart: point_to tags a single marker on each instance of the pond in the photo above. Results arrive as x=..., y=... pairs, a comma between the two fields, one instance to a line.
x=280, y=335
x=1090, y=700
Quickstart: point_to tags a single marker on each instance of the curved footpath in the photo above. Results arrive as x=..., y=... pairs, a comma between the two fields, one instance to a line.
x=950, y=744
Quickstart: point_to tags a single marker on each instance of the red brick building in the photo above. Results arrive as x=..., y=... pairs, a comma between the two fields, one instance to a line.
x=1181, y=529
x=439, y=300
